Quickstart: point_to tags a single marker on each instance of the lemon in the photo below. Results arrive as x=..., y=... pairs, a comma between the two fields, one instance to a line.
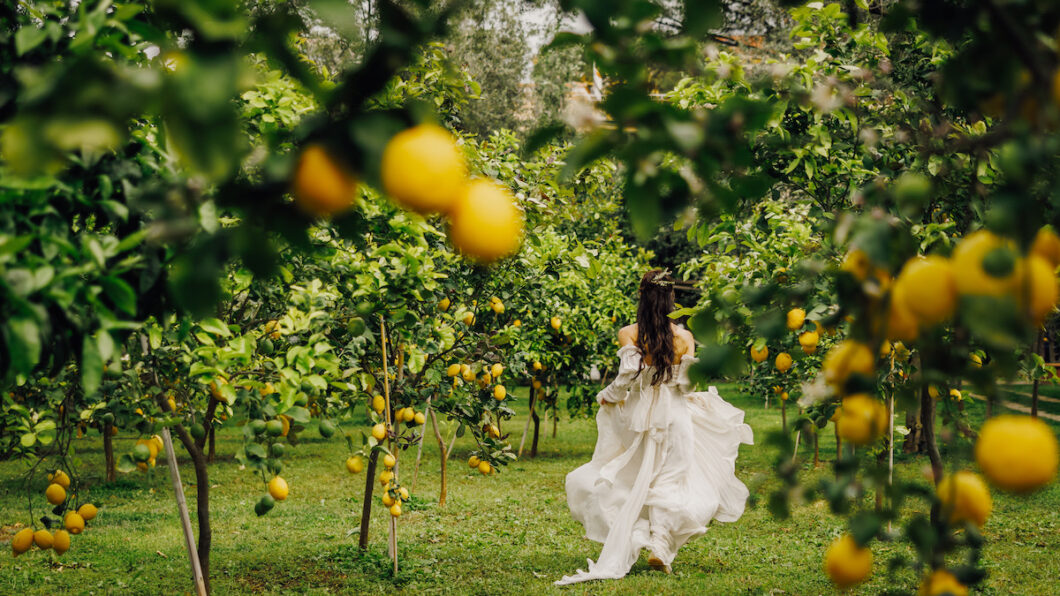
x=322, y=187
x=759, y=355
x=956, y=395
x=1039, y=289
x=473, y=461
x=496, y=370
x=444, y=304
x=809, y=339
x=60, y=478
x=87, y=511
x=863, y=419
x=22, y=541
x=389, y=460
x=61, y=541
x=846, y=563
x=493, y=431
x=55, y=494
x=354, y=465
x=517, y=323
x=796, y=317
x=420, y=419
x=497, y=307
x=809, y=349
x=453, y=370
x=968, y=269
x=43, y=539
x=848, y=358
x=885, y=349
x=783, y=362
x=933, y=391
x=485, y=223
x=378, y=404
x=976, y=360
x=278, y=488
x=379, y=431
x=395, y=510
x=499, y=393
x=927, y=289
x=1047, y=244
x=404, y=492
x=469, y=318
x=423, y=169
x=484, y=468
x=965, y=496
x=272, y=329
x=387, y=500
x=536, y=384
x=74, y=523
x=784, y=396
x=385, y=477
x=537, y=365
x=555, y=322
x=942, y=583
x=1017, y=453
x=857, y=263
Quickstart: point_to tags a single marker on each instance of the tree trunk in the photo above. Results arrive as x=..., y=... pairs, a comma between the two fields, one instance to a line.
x=202, y=500
x=211, y=440
x=537, y=429
x=555, y=420
x=366, y=508
x=1034, y=399
x=816, y=448
x=784, y=415
x=443, y=456
x=108, y=453
x=911, y=444
x=927, y=428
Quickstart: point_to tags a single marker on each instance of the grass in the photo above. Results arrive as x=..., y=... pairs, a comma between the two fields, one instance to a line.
x=506, y=534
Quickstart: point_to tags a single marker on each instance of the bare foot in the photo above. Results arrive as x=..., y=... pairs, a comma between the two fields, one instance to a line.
x=657, y=564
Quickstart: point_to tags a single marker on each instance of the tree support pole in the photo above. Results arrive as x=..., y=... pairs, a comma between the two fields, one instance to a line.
x=185, y=519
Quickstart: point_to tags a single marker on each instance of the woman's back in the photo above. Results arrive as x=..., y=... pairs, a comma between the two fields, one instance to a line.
x=683, y=342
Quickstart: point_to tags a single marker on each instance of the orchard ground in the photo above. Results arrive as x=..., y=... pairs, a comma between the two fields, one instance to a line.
x=510, y=533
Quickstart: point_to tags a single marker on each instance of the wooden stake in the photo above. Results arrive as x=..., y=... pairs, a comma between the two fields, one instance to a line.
x=890, y=445
x=389, y=444
x=419, y=448
x=185, y=520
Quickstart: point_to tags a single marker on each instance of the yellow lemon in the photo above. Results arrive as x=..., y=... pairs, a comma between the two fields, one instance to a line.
x=43, y=539
x=809, y=339
x=55, y=494
x=848, y=358
x=796, y=317
x=857, y=263
x=1039, y=289
x=1047, y=245
x=486, y=224
x=499, y=392
x=976, y=359
x=783, y=362
x=404, y=492
x=536, y=384
x=389, y=460
x=473, y=461
x=87, y=511
x=927, y=289
x=74, y=523
x=517, y=323
x=942, y=583
x=395, y=510
x=22, y=541
x=968, y=269
x=60, y=478
x=846, y=563
x=61, y=541
x=759, y=355
x=956, y=395
x=902, y=325
x=444, y=304
x=863, y=419
x=379, y=431
x=385, y=477
x=453, y=370
x=496, y=370
x=354, y=465
x=420, y=419
x=378, y=403
x=497, y=307
x=784, y=396
x=933, y=391
x=322, y=187
x=537, y=365
x=469, y=318
x=278, y=488
x=555, y=322
x=1017, y=453
x=423, y=169
x=484, y=468
x=387, y=500
x=965, y=497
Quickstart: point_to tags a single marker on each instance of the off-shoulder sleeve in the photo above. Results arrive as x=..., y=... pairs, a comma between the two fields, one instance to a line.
x=629, y=364
x=684, y=384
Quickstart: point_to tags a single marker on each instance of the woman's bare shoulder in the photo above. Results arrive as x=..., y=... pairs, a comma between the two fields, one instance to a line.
x=627, y=335
x=683, y=341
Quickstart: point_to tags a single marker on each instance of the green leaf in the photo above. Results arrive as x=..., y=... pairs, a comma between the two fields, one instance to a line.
x=24, y=343
x=215, y=326
x=120, y=293
x=28, y=439
x=28, y=37
x=91, y=366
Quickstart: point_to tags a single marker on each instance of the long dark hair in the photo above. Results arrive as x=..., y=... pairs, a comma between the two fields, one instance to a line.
x=655, y=337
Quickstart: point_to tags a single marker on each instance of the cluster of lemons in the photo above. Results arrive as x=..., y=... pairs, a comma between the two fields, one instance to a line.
x=422, y=170
x=1015, y=453
x=145, y=452
x=276, y=490
x=466, y=372
x=808, y=341
x=73, y=522
x=393, y=493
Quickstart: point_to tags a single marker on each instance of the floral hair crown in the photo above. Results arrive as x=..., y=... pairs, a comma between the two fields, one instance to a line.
x=660, y=279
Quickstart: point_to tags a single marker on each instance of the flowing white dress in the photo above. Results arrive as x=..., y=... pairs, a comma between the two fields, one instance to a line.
x=663, y=468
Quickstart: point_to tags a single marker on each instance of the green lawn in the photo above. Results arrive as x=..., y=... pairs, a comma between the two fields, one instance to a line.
x=507, y=534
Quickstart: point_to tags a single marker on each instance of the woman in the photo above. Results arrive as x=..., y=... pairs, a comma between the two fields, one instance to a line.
x=665, y=456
